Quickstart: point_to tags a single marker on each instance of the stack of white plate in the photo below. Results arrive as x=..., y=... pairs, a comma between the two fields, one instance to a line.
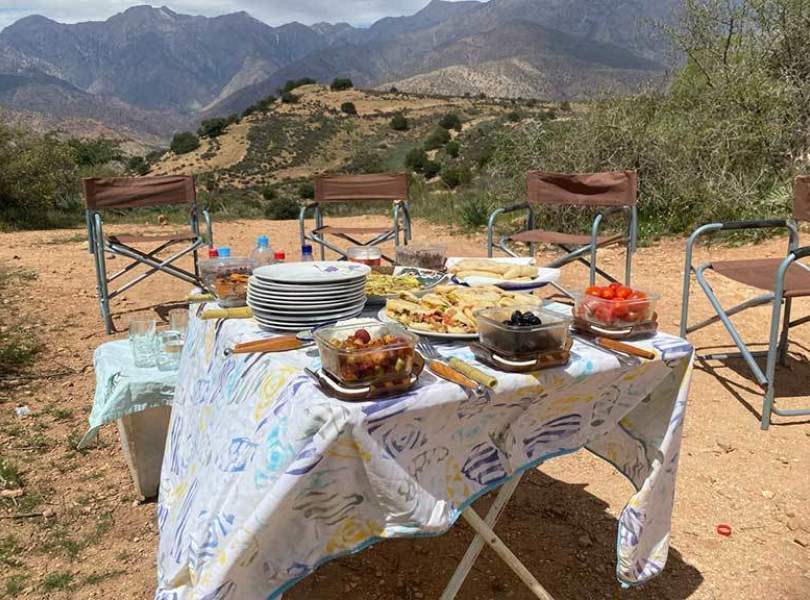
x=296, y=296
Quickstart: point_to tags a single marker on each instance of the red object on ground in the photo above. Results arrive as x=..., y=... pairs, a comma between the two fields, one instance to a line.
x=280, y=256
x=213, y=253
x=723, y=529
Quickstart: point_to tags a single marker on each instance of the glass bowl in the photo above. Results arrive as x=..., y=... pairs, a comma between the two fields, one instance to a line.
x=227, y=278
x=510, y=340
x=615, y=313
x=383, y=353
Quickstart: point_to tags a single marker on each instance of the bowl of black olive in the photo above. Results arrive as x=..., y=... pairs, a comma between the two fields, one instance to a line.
x=522, y=330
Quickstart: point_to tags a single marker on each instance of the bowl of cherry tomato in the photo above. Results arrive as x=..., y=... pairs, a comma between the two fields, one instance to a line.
x=615, y=306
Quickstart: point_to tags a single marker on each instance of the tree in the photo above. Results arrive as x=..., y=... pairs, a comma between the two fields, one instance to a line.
x=415, y=160
x=450, y=121
x=138, y=165
x=269, y=192
x=291, y=84
x=184, y=142
x=341, y=83
x=513, y=116
x=155, y=155
x=399, y=122
x=348, y=108
x=212, y=128
x=95, y=152
x=452, y=149
x=430, y=169
x=438, y=138
x=289, y=98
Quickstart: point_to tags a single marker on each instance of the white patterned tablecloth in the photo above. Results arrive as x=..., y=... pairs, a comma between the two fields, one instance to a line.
x=265, y=478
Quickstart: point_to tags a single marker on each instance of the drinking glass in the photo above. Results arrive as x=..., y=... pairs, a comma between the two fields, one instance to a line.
x=170, y=346
x=178, y=321
x=142, y=341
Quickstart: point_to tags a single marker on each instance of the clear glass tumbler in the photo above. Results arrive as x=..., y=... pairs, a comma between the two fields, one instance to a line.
x=170, y=346
x=142, y=340
x=178, y=321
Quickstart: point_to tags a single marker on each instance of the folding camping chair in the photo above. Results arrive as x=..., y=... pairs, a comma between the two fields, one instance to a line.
x=137, y=192
x=359, y=188
x=610, y=192
x=784, y=279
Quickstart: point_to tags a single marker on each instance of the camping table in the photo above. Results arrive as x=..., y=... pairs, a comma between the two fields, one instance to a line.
x=265, y=478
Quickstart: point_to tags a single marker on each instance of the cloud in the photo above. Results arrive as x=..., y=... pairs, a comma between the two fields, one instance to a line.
x=273, y=12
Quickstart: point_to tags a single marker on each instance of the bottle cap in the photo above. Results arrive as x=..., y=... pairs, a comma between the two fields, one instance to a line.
x=306, y=249
x=280, y=255
x=212, y=253
x=263, y=241
x=224, y=251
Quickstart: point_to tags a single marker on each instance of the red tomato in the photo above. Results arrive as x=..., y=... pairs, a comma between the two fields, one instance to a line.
x=594, y=290
x=604, y=314
x=623, y=293
x=608, y=293
x=615, y=285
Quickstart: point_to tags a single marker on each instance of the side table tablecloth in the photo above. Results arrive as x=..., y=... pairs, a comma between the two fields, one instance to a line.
x=124, y=389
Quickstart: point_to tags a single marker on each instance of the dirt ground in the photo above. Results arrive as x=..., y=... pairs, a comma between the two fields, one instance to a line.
x=78, y=531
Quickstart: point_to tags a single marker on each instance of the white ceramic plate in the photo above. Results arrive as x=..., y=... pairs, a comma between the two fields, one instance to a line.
x=282, y=314
x=312, y=272
x=296, y=287
x=314, y=303
x=382, y=316
x=298, y=325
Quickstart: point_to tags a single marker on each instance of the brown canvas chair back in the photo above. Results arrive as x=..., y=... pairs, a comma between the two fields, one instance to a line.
x=612, y=188
x=136, y=192
x=354, y=188
x=801, y=198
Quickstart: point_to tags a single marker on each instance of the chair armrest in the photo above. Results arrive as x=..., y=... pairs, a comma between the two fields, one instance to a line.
x=801, y=252
x=739, y=225
x=506, y=209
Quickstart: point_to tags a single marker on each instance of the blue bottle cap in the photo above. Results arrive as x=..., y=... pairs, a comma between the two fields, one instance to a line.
x=263, y=241
x=224, y=252
x=306, y=249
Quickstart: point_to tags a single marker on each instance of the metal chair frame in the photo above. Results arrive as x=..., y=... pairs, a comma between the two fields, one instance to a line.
x=98, y=245
x=572, y=254
x=401, y=222
x=400, y=209
x=778, y=343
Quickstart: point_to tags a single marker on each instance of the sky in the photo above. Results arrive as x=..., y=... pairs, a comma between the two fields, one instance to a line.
x=273, y=12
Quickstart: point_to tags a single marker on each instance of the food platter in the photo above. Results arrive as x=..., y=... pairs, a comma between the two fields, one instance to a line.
x=509, y=273
x=448, y=311
x=434, y=334
x=421, y=280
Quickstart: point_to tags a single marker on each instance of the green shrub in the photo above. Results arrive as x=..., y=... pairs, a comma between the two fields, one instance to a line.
x=452, y=149
x=514, y=116
x=450, y=121
x=138, y=165
x=289, y=98
x=438, y=138
x=348, y=108
x=430, y=168
x=184, y=142
x=565, y=106
x=155, y=155
x=269, y=192
x=306, y=190
x=455, y=176
x=399, y=122
x=282, y=209
x=340, y=84
x=394, y=90
x=415, y=160
x=474, y=211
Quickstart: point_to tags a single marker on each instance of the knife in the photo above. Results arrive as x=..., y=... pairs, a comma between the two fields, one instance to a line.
x=283, y=343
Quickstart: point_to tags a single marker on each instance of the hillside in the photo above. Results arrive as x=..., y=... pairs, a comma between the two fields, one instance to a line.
x=293, y=142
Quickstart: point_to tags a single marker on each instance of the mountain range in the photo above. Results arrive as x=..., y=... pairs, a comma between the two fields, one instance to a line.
x=152, y=70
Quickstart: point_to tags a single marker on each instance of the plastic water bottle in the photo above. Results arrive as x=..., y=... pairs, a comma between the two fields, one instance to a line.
x=280, y=256
x=224, y=252
x=306, y=253
x=263, y=253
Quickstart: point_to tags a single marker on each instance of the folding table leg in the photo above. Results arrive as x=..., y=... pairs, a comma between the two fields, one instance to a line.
x=485, y=535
